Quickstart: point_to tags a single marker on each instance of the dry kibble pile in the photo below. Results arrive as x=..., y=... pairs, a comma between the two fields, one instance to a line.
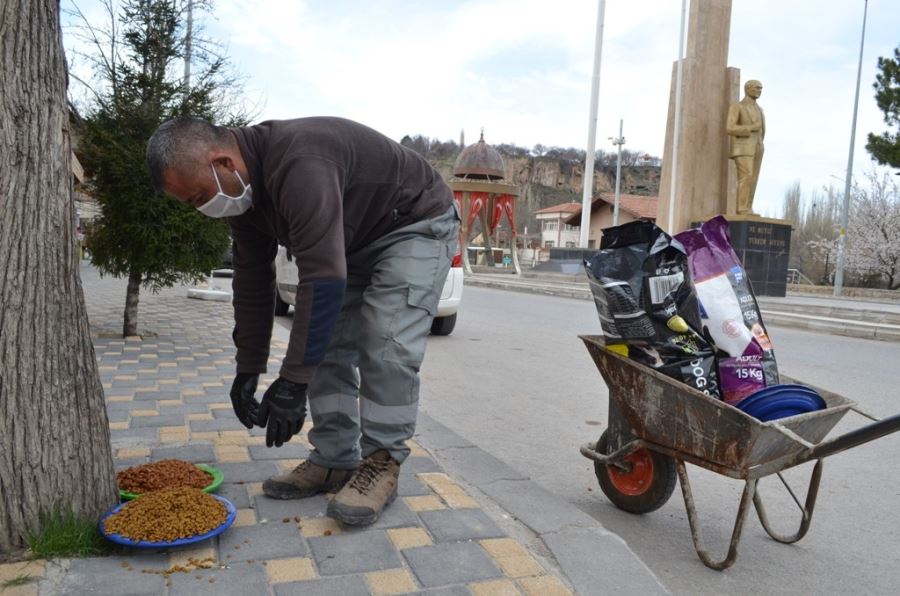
x=168, y=514
x=166, y=473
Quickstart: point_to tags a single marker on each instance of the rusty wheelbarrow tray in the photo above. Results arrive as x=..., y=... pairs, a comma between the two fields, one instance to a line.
x=656, y=424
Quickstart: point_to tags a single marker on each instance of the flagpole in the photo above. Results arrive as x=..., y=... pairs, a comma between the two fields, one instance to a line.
x=587, y=194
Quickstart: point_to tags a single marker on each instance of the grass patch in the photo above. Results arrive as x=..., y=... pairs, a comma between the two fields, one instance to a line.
x=66, y=534
x=19, y=580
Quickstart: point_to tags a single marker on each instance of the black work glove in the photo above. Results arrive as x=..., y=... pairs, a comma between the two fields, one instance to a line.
x=282, y=411
x=242, y=400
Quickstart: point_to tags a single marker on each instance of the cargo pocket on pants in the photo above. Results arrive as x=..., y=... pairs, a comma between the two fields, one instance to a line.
x=409, y=328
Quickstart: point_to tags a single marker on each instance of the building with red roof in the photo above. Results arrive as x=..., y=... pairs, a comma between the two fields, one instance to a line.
x=631, y=208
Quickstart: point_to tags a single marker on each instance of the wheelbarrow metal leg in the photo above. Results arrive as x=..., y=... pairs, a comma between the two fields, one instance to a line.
x=807, y=509
x=746, y=498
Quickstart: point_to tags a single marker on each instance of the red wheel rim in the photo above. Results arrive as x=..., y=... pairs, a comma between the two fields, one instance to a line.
x=639, y=479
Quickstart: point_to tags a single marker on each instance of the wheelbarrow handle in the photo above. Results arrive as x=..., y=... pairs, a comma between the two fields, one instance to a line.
x=613, y=459
x=856, y=437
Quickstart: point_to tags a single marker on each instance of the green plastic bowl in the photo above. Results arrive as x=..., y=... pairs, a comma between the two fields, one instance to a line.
x=217, y=478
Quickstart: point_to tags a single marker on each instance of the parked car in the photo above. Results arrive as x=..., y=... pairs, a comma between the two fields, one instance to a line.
x=286, y=277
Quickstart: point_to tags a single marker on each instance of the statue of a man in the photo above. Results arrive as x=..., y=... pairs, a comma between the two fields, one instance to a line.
x=747, y=128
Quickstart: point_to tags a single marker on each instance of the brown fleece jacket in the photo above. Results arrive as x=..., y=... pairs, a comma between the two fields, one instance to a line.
x=323, y=188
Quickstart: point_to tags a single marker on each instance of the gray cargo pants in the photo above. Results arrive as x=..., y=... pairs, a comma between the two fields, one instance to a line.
x=365, y=394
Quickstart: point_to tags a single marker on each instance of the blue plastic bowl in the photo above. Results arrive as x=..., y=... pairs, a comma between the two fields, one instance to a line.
x=781, y=401
x=119, y=539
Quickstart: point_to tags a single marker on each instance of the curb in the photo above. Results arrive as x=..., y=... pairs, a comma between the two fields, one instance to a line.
x=848, y=327
x=577, y=541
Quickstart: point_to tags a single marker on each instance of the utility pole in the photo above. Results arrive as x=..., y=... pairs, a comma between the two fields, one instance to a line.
x=619, y=140
x=587, y=194
x=676, y=130
x=845, y=212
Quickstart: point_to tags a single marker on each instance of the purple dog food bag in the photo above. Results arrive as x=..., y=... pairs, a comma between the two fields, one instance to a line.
x=729, y=312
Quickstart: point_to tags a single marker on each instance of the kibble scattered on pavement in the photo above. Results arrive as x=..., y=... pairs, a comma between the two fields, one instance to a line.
x=167, y=397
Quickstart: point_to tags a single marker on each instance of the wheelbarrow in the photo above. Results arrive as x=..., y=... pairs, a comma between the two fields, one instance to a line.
x=657, y=424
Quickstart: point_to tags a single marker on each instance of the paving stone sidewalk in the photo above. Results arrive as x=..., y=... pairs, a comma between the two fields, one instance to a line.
x=167, y=396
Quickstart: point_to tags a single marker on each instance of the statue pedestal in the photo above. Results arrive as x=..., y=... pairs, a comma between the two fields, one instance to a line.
x=763, y=245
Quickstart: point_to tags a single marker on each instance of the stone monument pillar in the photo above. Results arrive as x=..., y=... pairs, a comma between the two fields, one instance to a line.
x=706, y=179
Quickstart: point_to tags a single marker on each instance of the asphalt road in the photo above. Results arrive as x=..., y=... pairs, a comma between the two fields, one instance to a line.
x=515, y=380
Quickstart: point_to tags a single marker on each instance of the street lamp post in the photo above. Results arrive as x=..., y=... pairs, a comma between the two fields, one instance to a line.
x=845, y=212
x=619, y=140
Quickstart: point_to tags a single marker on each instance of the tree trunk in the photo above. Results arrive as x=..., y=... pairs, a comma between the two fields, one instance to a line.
x=54, y=434
x=132, y=295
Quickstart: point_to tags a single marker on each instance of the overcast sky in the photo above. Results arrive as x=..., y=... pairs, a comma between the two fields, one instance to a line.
x=522, y=70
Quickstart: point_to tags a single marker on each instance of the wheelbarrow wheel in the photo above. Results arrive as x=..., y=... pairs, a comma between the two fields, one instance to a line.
x=645, y=488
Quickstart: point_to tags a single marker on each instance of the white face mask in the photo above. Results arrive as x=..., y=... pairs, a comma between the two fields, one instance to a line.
x=222, y=205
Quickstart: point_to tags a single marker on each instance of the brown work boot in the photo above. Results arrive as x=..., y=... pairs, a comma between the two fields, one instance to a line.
x=305, y=480
x=372, y=488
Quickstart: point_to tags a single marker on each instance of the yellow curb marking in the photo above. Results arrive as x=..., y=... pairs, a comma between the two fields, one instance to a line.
x=497, y=587
x=452, y=493
x=521, y=566
x=503, y=547
x=545, y=585
x=416, y=450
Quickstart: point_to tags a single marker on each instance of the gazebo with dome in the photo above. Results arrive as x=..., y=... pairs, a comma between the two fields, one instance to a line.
x=480, y=192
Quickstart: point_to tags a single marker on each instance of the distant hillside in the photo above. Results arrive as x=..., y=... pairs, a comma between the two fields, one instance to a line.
x=551, y=175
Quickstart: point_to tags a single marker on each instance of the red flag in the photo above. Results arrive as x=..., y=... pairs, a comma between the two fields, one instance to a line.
x=477, y=202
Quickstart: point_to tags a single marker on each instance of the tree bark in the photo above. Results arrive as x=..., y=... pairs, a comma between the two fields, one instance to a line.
x=132, y=295
x=54, y=434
